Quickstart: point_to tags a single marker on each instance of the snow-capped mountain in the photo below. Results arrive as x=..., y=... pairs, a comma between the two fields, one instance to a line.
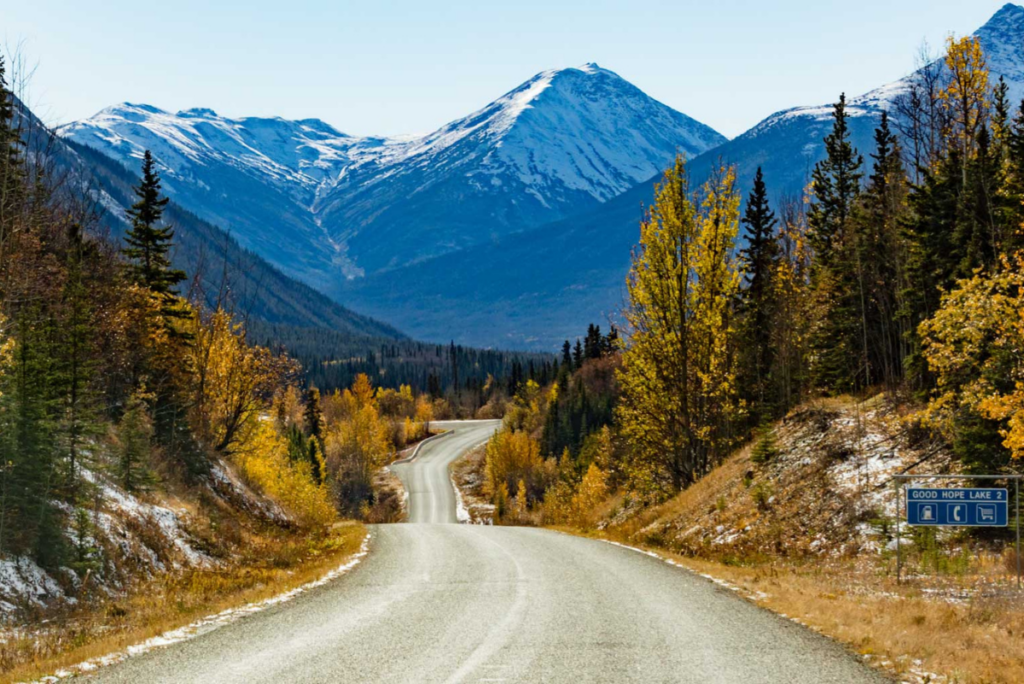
x=539, y=287
x=323, y=205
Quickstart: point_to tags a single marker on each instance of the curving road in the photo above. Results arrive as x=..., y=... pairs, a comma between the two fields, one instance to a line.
x=426, y=478
x=461, y=603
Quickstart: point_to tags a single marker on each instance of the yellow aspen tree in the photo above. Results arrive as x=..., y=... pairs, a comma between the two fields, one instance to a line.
x=677, y=376
x=592, y=492
x=974, y=345
x=521, y=501
x=232, y=381
x=966, y=96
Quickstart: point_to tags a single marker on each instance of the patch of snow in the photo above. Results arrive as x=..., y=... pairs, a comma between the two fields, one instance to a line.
x=22, y=580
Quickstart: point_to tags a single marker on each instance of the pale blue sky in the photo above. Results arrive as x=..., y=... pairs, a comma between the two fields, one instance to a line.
x=407, y=67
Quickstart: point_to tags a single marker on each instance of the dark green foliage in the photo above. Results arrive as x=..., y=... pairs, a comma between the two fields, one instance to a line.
x=837, y=339
x=314, y=415
x=148, y=243
x=881, y=258
x=765, y=449
x=135, y=438
x=331, y=360
x=758, y=303
x=586, y=397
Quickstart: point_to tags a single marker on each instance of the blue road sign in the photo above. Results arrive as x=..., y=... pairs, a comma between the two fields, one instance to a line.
x=957, y=507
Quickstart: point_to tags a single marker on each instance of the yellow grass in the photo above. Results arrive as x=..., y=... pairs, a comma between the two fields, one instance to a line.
x=271, y=565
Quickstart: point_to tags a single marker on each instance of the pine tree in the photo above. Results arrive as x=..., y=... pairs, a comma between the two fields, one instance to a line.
x=577, y=355
x=314, y=415
x=567, y=355
x=757, y=301
x=883, y=253
x=77, y=358
x=837, y=276
x=148, y=243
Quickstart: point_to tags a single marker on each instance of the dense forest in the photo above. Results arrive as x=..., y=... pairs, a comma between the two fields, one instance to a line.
x=899, y=272
x=332, y=360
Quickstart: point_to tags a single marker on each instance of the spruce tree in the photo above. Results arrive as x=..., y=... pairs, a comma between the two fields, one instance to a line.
x=836, y=274
x=135, y=437
x=148, y=243
x=883, y=253
x=314, y=415
x=567, y=355
x=757, y=300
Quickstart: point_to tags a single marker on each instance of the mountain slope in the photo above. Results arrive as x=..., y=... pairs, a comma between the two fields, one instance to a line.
x=564, y=141
x=536, y=288
x=258, y=290
x=323, y=206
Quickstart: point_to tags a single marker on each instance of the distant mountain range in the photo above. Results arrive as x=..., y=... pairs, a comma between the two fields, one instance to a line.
x=510, y=227
x=218, y=266
x=324, y=206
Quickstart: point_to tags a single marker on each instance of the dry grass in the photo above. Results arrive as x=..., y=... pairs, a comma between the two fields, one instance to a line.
x=272, y=564
x=978, y=639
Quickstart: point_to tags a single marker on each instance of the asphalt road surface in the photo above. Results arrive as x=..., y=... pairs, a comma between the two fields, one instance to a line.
x=442, y=602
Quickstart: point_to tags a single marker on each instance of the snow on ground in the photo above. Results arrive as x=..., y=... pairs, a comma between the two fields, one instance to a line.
x=170, y=522
x=21, y=580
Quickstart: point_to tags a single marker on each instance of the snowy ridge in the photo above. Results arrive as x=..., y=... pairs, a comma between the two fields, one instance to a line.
x=1001, y=41
x=564, y=140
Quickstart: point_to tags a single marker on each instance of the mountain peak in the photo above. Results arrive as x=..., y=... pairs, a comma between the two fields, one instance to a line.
x=1007, y=21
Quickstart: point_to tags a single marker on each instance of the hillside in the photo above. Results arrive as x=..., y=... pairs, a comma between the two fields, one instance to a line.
x=257, y=289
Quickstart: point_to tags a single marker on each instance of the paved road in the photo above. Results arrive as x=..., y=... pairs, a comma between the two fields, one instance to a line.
x=461, y=603
x=426, y=478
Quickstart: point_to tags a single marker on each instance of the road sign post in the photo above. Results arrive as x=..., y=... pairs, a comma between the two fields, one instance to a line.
x=957, y=507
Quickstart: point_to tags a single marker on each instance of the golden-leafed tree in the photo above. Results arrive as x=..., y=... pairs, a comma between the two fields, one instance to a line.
x=966, y=95
x=233, y=383
x=677, y=376
x=974, y=345
x=357, y=445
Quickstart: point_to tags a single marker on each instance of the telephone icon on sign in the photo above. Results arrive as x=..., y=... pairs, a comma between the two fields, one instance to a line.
x=956, y=513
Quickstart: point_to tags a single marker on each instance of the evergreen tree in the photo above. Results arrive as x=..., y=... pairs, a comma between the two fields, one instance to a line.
x=837, y=344
x=577, y=355
x=148, y=243
x=567, y=355
x=883, y=254
x=759, y=260
x=314, y=415
x=77, y=363
x=135, y=436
